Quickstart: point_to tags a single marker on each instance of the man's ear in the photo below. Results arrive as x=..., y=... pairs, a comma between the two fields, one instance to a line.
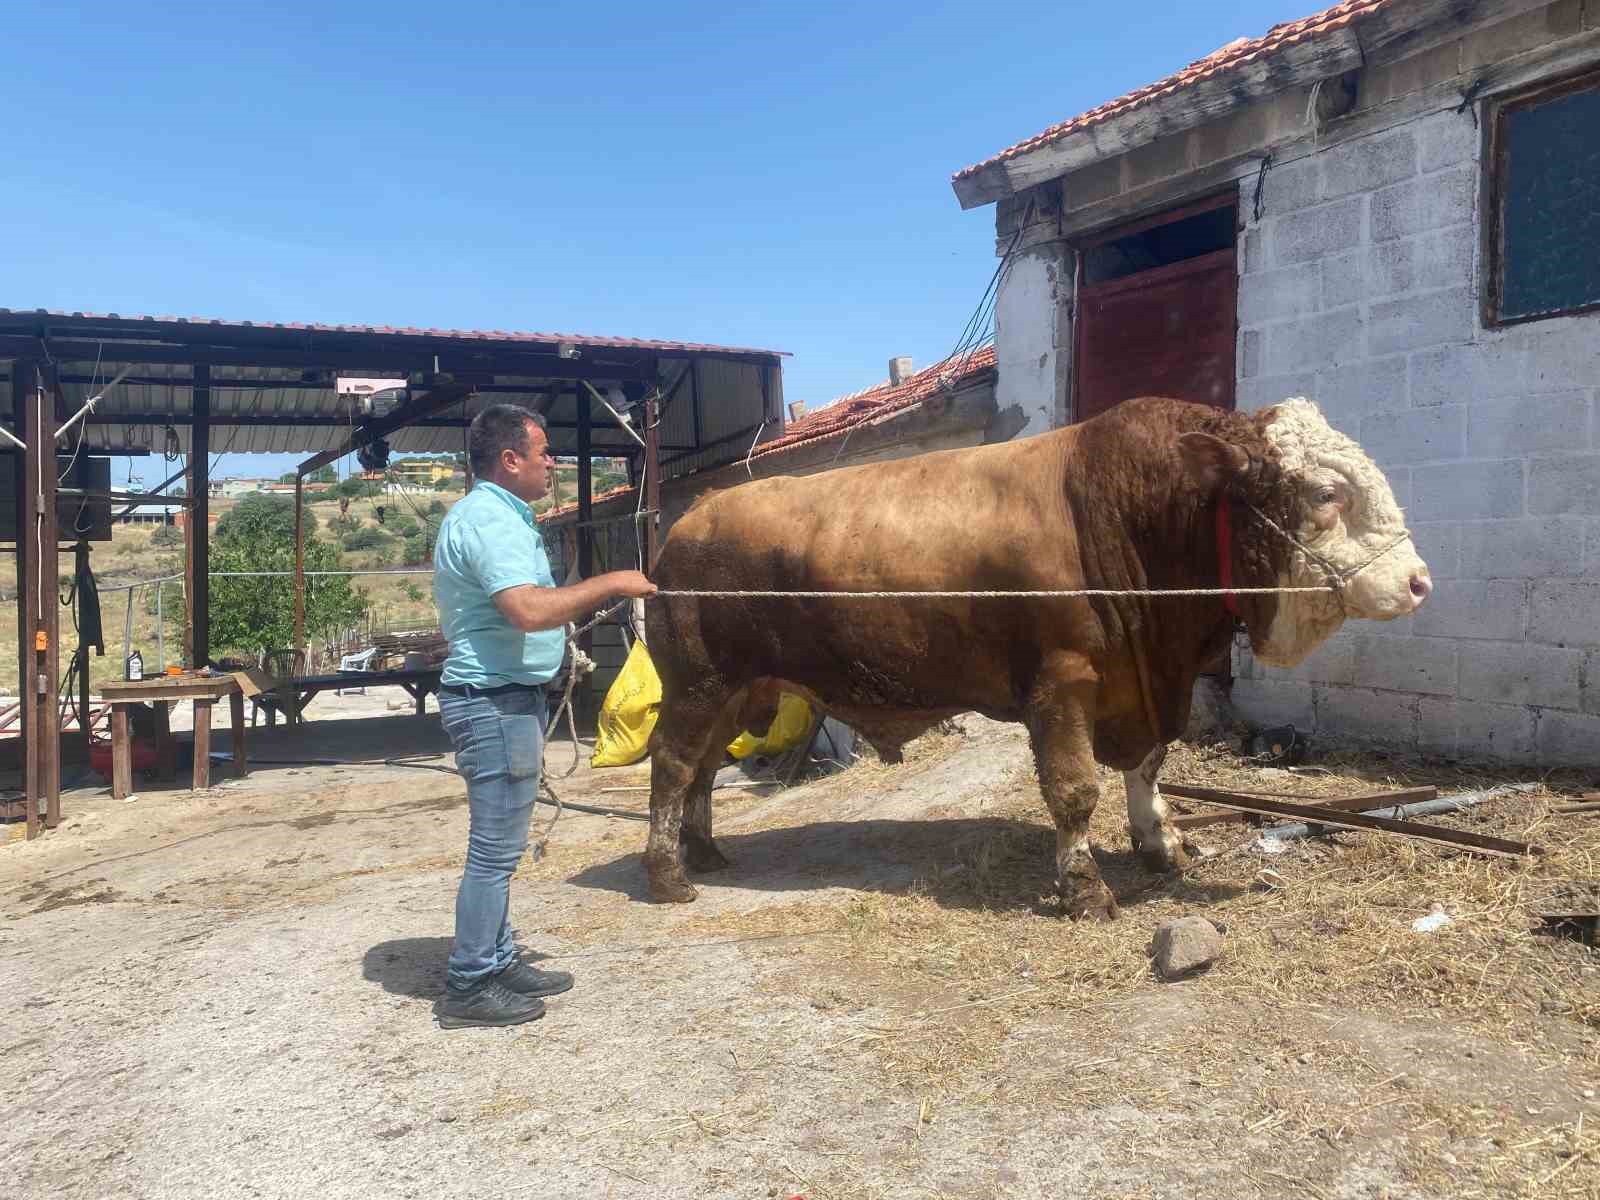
x=1210, y=460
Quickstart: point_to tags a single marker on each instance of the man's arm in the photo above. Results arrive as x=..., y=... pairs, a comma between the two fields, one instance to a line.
x=532, y=608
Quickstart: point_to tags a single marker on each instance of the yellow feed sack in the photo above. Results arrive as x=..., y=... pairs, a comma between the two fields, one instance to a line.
x=629, y=712
x=788, y=730
x=633, y=701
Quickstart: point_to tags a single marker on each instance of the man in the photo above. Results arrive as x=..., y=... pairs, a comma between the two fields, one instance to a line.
x=502, y=614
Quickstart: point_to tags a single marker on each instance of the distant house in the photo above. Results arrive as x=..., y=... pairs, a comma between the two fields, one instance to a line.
x=1389, y=207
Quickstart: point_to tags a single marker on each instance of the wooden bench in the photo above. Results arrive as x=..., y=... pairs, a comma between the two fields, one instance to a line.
x=292, y=695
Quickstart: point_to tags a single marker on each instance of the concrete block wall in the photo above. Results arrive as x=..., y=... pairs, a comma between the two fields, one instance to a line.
x=1359, y=288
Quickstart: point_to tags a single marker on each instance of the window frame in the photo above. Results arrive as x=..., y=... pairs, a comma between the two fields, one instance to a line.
x=1493, y=191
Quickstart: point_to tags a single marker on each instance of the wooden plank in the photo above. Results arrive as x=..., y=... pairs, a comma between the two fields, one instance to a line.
x=121, y=754
x=197, y=566
x=202, y=745
x=170, y=688
x=652, y=481
x=41, y=700
x=299, y=562
x=236, y=715
x=1365, y=802
x=22, y=379
x=1455, y=839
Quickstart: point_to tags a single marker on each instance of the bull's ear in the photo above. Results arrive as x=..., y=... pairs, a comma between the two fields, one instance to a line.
x=1211, y=460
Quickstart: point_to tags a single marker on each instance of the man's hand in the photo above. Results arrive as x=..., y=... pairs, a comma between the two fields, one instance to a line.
x=632, y=584
x=531, y=608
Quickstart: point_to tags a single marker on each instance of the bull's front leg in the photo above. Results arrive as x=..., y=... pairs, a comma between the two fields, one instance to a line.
x=1160, y=846
x=1060, y=718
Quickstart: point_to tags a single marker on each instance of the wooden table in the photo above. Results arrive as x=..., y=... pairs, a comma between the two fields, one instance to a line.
x=293, y=694
x=162, y=690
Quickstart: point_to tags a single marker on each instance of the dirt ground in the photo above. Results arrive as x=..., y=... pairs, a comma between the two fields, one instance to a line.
x=230, y=994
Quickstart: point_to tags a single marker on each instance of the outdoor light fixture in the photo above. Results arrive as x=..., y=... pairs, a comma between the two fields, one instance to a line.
x=567, y=350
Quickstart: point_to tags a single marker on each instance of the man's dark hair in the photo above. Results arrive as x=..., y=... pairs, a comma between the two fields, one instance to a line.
x=498, y=427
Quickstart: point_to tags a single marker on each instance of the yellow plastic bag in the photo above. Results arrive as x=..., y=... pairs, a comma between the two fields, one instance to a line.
x=632, y=703
x=788, y=730
x=628, y=713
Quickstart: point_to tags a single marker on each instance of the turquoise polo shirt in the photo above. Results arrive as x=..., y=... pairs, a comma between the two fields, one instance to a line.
x=487, y=543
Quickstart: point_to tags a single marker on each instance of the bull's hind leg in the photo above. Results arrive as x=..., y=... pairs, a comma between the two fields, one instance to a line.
x=1060, y=719
x=679, y=746
x=1149, y=823
x=700, y=852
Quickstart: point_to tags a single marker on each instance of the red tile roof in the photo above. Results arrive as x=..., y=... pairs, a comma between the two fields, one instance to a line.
x=1230, y=57
x=875, y=403
x=133, y=322
x=848, y=412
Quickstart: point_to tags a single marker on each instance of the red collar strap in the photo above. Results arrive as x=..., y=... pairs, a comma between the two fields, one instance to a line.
x=1230, y=601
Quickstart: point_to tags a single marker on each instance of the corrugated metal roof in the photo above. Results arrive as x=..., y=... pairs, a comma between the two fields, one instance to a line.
x=390, y=331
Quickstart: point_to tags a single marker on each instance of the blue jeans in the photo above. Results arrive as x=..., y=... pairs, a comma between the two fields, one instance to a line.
x=499, y=745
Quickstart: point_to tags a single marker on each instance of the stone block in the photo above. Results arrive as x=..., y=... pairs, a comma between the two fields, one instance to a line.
x=1185, y=946
x=1368, y=163
x=1252, y=251
x=1467, y=491
x=1564, y=354
x=1556, y=421
x=1568, y=740
x=1521, y=549
x=1493, y=44
x=1436, y=726
x=1421, y=319
x=1591, y=550
x=1328, y=340
x=1439, y=544
x=1252, y=395
x=1279, y=295
x=1383, y=82
x=1353, y=390
x=1444, y=259
x=1590, y=699
x=1273, y=702
x=1420, y=665
x=1565, y=612
x=1447, y=138
x=1494, y=732
x=1332, y=662
x=1290, y=188
x=1419, y=205
x=1492, y=610
x=1364, y=715
x=1521, y=673
x=1318, y=232
x=1344, y=279
x=1481, y=371
x=1400, y=484
x=1568, y=483
x=1250, y=352
x=1415, y=435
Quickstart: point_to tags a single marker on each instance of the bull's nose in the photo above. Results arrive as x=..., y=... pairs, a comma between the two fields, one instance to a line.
x=1421, y=586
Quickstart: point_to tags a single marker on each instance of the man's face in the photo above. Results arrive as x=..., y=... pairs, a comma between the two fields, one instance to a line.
x=528, y=476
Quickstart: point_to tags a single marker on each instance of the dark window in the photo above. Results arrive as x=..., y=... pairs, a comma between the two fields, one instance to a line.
x=1544, y=196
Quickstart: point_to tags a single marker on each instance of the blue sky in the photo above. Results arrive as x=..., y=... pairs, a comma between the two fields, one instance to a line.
x=774, y=175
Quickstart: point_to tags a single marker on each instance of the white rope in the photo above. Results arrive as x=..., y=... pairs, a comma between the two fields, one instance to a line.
x=990, y=595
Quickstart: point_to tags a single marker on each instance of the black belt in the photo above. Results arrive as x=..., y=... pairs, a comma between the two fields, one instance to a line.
x=471, y=689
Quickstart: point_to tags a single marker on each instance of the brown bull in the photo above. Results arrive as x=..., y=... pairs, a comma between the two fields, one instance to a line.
x=1128, y=501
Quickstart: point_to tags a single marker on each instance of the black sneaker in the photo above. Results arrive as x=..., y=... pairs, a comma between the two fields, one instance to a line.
x=492, y=1003
x=527, y=980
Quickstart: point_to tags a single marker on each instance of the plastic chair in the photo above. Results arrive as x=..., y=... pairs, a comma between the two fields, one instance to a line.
x=355, y=662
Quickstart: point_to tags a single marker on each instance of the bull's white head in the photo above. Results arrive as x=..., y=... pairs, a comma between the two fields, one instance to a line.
x=1341, y=518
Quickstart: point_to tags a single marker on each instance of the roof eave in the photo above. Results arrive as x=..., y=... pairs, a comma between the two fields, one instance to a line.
x=1179, y=110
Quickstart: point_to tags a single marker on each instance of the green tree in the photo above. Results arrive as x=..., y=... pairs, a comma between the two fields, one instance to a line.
x=419, y=546
x=436, y=509
x=404, y=526
x=257, y=613
x=258, y=515
x=366, y=538
x=321, y=475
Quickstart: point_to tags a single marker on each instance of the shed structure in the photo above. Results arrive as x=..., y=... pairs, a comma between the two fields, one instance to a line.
x=194, y=389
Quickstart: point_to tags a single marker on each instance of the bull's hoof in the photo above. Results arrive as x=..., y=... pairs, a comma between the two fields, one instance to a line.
x=1090, y=904
x=671, y=890
x=1166, y=859
x=700, y=855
